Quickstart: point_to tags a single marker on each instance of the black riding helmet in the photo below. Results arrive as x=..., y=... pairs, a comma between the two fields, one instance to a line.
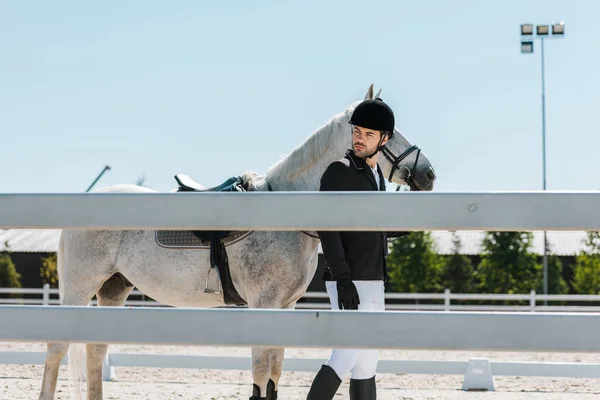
x=374, y=114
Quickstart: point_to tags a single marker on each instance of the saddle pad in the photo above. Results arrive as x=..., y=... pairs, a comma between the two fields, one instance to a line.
x=187, y=239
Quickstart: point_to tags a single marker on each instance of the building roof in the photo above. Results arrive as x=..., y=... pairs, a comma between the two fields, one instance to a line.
x=562, y=243
x=29, y=240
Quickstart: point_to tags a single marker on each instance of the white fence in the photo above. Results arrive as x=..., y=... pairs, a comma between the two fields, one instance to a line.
x=503, y=211
x=418, y=330
x=499, y=331
x=478, y=373
x=49, y=296
x=293, y=211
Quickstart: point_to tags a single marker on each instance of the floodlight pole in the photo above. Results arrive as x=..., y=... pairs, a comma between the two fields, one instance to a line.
x=528, y=30
x=545, y=272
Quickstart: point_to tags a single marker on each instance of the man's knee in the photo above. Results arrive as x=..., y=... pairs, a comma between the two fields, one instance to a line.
x=342, y=361
x=366, y=364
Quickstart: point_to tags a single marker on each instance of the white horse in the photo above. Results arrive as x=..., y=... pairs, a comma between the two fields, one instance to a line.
x=269, y=269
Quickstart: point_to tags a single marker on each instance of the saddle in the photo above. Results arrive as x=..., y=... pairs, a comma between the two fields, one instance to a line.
x=187, y=184
x=218, y=255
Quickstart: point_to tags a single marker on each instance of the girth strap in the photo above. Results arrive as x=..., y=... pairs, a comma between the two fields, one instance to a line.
x=219, y=260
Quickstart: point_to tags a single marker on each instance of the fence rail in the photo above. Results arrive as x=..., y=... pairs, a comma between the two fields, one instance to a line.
x=394, y=301
x=304, y=328
x=449, y=367
x=294, y=211
x=315, y=329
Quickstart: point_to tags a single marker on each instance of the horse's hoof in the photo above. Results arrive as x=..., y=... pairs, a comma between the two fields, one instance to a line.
x=256, y=393
x=271, y=392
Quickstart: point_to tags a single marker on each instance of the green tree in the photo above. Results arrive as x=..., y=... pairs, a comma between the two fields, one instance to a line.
x=414, y=264
x=556, y=282
x=9, y=277
x=48, y=270
x=586, y=271
x=507, y=263
x=457, y=271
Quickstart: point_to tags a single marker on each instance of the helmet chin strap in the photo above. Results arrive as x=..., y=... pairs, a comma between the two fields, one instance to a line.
x=378, y=147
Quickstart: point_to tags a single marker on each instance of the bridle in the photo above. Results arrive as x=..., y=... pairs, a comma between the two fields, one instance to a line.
x=395, y=165
x=397, y=160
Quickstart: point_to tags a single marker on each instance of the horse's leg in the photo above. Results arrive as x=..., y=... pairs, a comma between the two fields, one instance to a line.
x=56, y=351
x=113, y=292
x=276, y=363
x=261, y=372
x=77, y=287
x=54, y=356
x=261, y=356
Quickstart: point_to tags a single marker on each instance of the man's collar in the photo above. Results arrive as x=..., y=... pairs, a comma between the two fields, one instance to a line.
x=359, y=163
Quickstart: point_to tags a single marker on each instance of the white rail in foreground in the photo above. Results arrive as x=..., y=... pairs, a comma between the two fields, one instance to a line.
x=580, y=370
x=293, y=211
x=472, y=379
x=432, y=330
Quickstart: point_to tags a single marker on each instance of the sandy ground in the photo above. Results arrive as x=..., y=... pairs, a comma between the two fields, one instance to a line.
x=21, y=382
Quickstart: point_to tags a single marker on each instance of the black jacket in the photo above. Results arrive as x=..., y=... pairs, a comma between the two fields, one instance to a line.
x=362, y=254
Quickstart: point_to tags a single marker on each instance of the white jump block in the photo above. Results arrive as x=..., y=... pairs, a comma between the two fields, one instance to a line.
x=478, y=376
x=108, y=370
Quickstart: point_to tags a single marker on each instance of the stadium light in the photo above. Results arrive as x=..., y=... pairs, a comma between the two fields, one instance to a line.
x=527, y=39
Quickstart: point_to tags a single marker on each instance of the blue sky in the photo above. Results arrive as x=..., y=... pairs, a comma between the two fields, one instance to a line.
x=213, y=88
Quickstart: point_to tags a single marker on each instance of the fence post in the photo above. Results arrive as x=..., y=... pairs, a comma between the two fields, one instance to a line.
x=46, y=295
x=532, y=300
x=447, y=299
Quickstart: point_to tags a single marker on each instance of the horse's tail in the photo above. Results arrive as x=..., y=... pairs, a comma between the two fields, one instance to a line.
x=77, y=375
x=76, y=354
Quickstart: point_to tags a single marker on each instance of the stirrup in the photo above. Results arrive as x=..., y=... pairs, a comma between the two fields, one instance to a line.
x=220, y=289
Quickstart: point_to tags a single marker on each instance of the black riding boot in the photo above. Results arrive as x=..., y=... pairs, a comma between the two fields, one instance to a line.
x=325, y=384
x=363, y=389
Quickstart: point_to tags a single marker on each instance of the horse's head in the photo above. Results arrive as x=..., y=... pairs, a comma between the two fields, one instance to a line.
x=401, y=162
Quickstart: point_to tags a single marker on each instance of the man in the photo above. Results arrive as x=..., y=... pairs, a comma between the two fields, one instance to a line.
x=355, y=261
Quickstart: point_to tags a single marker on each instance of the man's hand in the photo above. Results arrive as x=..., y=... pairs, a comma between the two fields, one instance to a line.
x=347, y=294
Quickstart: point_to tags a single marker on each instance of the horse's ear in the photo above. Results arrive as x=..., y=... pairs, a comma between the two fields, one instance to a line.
x=369, y=95
x=378, y=95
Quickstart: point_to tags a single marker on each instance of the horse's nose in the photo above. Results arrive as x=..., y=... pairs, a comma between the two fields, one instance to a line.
x=430, y=174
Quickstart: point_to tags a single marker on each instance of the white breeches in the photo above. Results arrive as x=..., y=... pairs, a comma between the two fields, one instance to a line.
x=362, y=363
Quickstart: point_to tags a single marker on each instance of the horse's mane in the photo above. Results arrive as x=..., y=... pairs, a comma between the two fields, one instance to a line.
x=308, y=152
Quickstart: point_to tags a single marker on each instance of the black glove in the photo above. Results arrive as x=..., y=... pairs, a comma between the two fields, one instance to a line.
x=347, y=294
